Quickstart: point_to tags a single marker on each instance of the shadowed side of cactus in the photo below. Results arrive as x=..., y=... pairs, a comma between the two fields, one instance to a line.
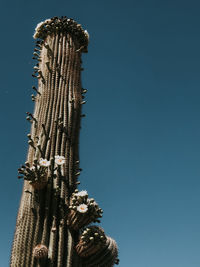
x=54, y=136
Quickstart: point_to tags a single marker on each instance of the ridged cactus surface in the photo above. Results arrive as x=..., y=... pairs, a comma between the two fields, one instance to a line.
x=52, y=212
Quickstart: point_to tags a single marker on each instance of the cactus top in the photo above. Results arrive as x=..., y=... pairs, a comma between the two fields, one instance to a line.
x=64, y=25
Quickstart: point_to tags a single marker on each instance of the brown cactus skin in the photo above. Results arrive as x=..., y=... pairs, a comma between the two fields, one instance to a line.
x=54, y=131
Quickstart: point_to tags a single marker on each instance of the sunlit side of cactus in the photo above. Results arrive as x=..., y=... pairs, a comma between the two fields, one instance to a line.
x=52, y=212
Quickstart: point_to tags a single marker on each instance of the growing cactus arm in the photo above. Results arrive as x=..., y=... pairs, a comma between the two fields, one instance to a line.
x=105, y=257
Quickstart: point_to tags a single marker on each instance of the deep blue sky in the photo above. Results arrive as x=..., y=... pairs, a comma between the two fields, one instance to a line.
x=140, y=141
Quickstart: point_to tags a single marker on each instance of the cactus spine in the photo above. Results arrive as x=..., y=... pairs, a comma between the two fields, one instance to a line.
x=52, y=211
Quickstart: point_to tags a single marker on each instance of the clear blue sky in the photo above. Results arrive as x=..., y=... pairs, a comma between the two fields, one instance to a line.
x=140, y=141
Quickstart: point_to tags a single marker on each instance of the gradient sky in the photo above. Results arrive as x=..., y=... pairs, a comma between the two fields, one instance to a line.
x=140, y=140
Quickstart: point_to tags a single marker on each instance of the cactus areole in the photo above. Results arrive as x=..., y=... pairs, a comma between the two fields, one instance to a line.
x=53, y=217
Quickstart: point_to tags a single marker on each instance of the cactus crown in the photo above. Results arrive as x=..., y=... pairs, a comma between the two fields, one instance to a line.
x=63, y=24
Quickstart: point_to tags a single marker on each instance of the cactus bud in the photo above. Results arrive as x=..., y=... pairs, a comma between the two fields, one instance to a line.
x=84, y=91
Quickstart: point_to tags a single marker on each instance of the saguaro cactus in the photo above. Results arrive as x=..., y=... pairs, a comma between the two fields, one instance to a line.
x=51, y=228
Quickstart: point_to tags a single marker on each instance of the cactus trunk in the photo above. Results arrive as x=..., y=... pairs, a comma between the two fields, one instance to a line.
x=42, y=236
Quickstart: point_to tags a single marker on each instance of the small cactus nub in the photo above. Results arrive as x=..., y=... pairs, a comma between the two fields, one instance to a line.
x=40, y=251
